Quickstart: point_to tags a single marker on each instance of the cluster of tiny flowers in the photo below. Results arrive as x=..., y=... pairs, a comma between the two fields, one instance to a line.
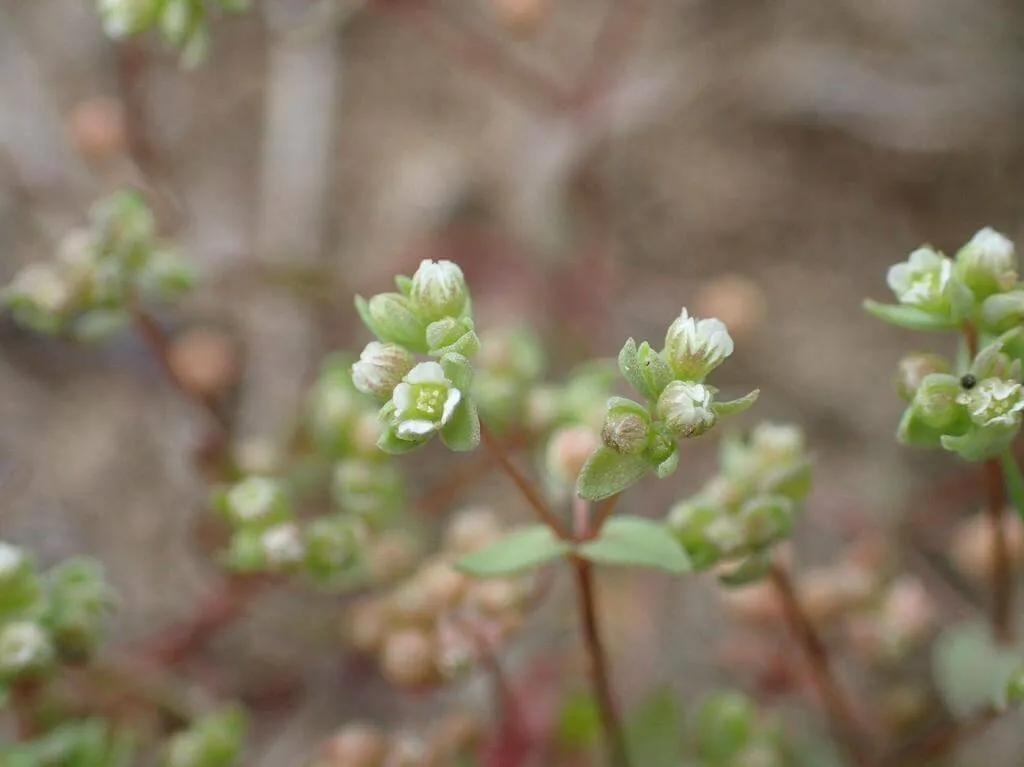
x=268, y=537
x=430, y=315
x=679, y=404
x=48, y=617
x=432, y=626
x=215, y=740
x=183, y=24
x=977, y=410
x=749, y=506
x=442, y=742
x=87, y=289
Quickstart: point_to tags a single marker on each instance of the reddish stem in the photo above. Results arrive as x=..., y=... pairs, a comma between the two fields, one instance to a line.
x=843, y=720
x=1002, y=572
x=24, y=699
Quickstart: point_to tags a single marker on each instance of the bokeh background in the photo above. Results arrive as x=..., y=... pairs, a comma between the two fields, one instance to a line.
x=762, y=161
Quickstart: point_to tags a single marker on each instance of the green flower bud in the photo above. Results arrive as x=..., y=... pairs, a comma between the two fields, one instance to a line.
x=391, y=318
x=25, y=649
x=79, y=602
x=216, y=740
x=333, y=546
x=19, y=582
x=256, y=503
x=452, y=335
x=726, y=724
x=424, y=402
x=936, y=401
x=39, y=297
x=439, y=290
x=627, y=427
x=125, y=228
x=686, y=409
x=913, y=369
x=693, y=348
x=381, y=367
x=367, y=489
x=1003, y=311
x=123, y=18
x=767, y=519
x=987, y=264
x=166, y=276
x=994, y=402
x=690, y=520
x=334, y=406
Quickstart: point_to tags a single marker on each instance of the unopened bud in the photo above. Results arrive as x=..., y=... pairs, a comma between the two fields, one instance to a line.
x=381, y=367
x=391, y=318
x=25, y=648
x=914, y=368
x=408, y=658
x=686, y=409
x=627, y=427
x=987, y=264
x=439, y=290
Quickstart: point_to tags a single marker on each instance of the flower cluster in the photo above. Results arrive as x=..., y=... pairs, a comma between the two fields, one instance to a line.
x=98, y=272
x=434, y=625
x=183, y=24
x=268, y=537
x=430, y=315
x=679, y=404
x=750, y=506
x=974, y=408
x=48, y=617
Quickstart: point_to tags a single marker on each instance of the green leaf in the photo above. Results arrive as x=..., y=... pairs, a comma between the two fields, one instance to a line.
x=392, y=444
x=404, y=284
x=653, y=731
x=462, y=433
x=629, y=366
x=1014, y=480
x=521, y=550
x=908, y=317
x=606, y=473
x=733, y=407
x=637, y=542
x=580, y=723
x=970, y=670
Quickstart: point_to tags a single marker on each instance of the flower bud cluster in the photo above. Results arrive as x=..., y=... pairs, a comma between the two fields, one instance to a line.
x=678, y=404
x=50, y=617
x=430, y=315
x=440, y=743
x=268, y=537
x=86, y=289
x=432, y=626
x=183, y=24
x=742, y=512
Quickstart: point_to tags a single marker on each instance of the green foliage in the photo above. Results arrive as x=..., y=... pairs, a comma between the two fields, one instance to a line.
x=971, y=670
x=636, y=542
x=519, y=551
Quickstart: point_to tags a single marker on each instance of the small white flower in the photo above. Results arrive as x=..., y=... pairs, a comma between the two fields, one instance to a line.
x=254, y=498
x=773, y=442
x=922, y=280
x=42, y=286
x=994, y=247
x=988, y=263
x=439, y=289
x=283, y=545
x=994, y=402
x=23, y=644
x=424, y=402
x=12, y=559
x=686, y=409
x=693, y=348
x=381, y=368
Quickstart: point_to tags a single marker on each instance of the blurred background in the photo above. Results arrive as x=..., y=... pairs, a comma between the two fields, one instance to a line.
x=594, y=166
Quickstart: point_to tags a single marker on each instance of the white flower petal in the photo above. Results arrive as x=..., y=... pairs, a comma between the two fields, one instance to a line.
x=414, y=428
x=450, y=403
x=426, y=373
x=402, y=397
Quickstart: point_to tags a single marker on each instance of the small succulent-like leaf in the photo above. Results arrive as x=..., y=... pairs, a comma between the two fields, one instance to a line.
x=392, y=444
x=462, y=433
x=733, y=407
x=606, y=473
x=404, y=284
x=637, y=542
x=458, y=370
x=908, y=317
x=629, y=366
x=668, y=466
x=521, y=550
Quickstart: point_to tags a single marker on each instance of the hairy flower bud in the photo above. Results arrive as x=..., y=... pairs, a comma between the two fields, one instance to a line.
x=332, y=544
x=987, y=264
x=439, y=290
x=686, y=409
x=25, y=648
x=627, y=427
x=391, y=318
x=256, y=503
x=693, y=348
x=935, y=401
x=380, y=368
